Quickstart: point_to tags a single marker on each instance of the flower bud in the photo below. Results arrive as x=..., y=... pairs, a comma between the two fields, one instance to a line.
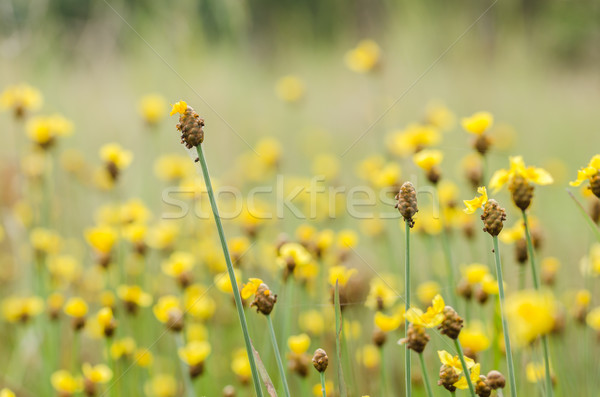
x=407, y=202
x=448, y=377
x=416, y=338
x=482, y=388
x=521, y=191
x=496, y=380
x=452, y=323
x=191, y=127
x=264, y=300
x=493, y=217
x=320, y=360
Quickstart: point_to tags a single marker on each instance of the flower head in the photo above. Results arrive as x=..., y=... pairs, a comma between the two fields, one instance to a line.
x=15, y=309
x=299, y=343
x=179, y=107
x=431, y=318
x=97, y=373
x=462, y=383
x=65, y=383
x=531, y=314
x=152, y=107
x=478, y=123
x=517, y=169
x=454, y=361
x=364, y=57
x=20, y=98
x=388, y=323
x=194, y=352
x=340, y=274
x=591, y=173
x=477, y=202
x=290, y=88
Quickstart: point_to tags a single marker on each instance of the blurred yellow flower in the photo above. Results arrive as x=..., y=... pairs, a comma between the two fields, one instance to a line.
x=65, y=383
x=269, y=151
x=240, y=365
x=299, y=343
x=517, y=168
x=101, y=239
x=369, y=356
x=114, y=155
x=413, y=138
x=341, y=274
x=161, y=385
x=536, y=372
x=43, y=130
x=431, y=318
x=45, y=240
x=122, y=348
x=21, y=98
x=474, y=338
x=531, y=314
x=428, y=158
x=178, y=263
x=317, y=389
x=97, y=373
x=223, y=282
x=173, y=167
x=143, y=357
x=474, y=273
x=167, y=308
x=133, y=296
x=312, y=321
x=427, y=290
x=476, y=203
x=347, y=238
x=7, y=393
x=153, y=108
x=17, y=309
x=439, y=116
x=76, y=307
x=364, y=57
x=381, y=295
x=198, y=303
x=326, y=165
x=388, y=323
x=589, y=172
x=478, y=123
x=195, y=352
x=290, y=88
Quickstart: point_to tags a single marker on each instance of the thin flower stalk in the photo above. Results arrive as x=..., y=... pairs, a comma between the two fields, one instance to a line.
x=425, y=375
x=323, y=387
x=407, y=307
x=465, y=368
x=278, y=356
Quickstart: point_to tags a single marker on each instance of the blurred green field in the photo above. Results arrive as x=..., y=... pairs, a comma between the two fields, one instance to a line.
x=533, y=66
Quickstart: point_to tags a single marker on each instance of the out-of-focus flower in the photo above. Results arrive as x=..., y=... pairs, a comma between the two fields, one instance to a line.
x=381, y=295
x=326, y=165
x=133, y=297
x=240, y=365
x=518, y=169
x=341, y=274
x=536, y=372
x=317, y=389
x=143, y=357
x=427, y=290
x=591, y=173
x=431, y=318
x=194, y=352
x=97, y=373
x=312, y=322
x=173, y=167
x=21, y=98
x=473, y=338
x=45, y=241
x=116, y=159
x=531, y=314
x=168, y=310
x=299, y=343
x=65, y=383
x=122, y=348
x=161, y=385
x=478, y=123
x=290, y=88
x=153, y=108
x=44, y=130
x=369, y=356
x=388, y=323
x=17, y=309
x=364, y=57
x=414, y=138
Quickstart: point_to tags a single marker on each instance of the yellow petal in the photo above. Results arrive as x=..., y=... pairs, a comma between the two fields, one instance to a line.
x=179, y=107
x=445, y=357
x=498, y=180
x=438, y=303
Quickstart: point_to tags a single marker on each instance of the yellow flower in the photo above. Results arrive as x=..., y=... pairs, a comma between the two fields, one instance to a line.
x=341, y=274
x=173, y=167
x=388, y=323
x=513, y=234
x=381, y=295
x=178, y=263
x=517, y=168
x=43, y=130
x=64, y=267
x=179, y=107
x=477, y=202
x=223, y=282
x=7, y=393
x=143, y=357
x=474, y=273
x=21, y=309
x=352, y=330
x=161, y=385
x=454, y=361
x=152, y=107
x=473, y=338
x=490, y=285
x=293, y=252
x=369, y=356
x=134, y=295
x=427, y=291
x=45, y=240
x=198, y=303
x=478, y=123
x=290, y=88
x=364, y=57
x=413, y=138
x=428, y=158
x=76, y=307
x=115, y=155
x=167, y=307
x=550, y=265
x=462, y=383
x=122, y=348
x=530, y=314
x=196, y=331
x=240, y=365
x=163, y=235
x=593, y=318
x=388, y=176
x=97, y=374
x=299, y=343
x=65, y=383
x=251, y=287
x=105, y=317
x=431, y=318
x=21, y=98
x=269, y=151
x=536, y=372
x=312, y=322
x=101, y=239
x=347, y=238
x=194, y=352
x=588, y=172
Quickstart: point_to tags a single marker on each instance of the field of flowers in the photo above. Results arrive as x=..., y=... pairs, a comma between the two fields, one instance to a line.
x=367, y=219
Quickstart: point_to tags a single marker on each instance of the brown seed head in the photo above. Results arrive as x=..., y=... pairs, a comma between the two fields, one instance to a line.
x=464, y=289
x=407, y=202
x=482, y=388
x=480, y=295
x=521, y=254
x=452, y=323
x=434, y=175
x=448, y=377
x=191, y=127
x=521, y=191
x=299, y=363
x=595, y=210
x=379, y=337
x=196, y=370
x=496, y=380
x=482, y=144
x=320, y=360
x=264, y=300
x=595, y=184
x=493, y=217
x=416, y=338
x=175, y=320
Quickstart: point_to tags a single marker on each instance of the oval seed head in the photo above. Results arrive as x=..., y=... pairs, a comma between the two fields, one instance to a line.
x=482, y=144
x=521, y=191
x=264, y=299
x=448, y=377
x=521, y=254
x=493, y=217
x=379, y=337
x=416, y=338
x=191, y=127
x=496, y=380
x=482, y=388
x=407, y=202
x=452, y=323
x=320, y=360
x=595, y=211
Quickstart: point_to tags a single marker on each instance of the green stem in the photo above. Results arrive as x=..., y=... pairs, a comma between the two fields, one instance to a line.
x=466, y=371
x=425, y=375
x=189, y=387
x=236, y=291
x=278, y=356
x=449, y=265
x=536, y=283
x=587, y=218
x=509, y=358
x=323, y=388
x=407, y=306
x=383, y=380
